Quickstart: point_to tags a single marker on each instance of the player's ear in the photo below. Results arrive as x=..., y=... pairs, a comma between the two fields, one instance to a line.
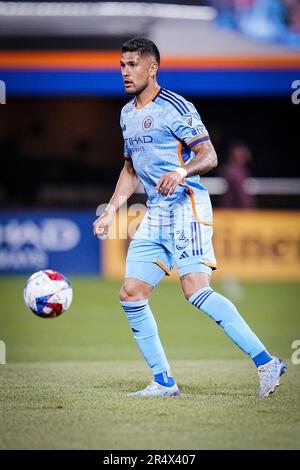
x=153, y=69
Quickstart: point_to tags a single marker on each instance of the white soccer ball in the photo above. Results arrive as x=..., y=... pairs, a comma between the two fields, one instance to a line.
x=48, y=293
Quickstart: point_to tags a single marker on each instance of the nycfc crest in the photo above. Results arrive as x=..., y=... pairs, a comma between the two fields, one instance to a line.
x=148, y=123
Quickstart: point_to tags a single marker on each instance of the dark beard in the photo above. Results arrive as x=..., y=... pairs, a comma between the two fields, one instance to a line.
x=137, y=92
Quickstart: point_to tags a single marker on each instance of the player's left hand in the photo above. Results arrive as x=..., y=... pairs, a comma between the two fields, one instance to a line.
x=168, y=183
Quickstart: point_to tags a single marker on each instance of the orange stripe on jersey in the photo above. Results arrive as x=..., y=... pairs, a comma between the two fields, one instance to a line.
x=163, y=267
x=210, y=265
x=179, y=150
x=191, y=194
x=207, y=223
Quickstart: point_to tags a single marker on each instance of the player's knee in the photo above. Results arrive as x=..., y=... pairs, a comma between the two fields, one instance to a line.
x=188, y=293
x=133, y=291
x=126, y=295
x=192, y=282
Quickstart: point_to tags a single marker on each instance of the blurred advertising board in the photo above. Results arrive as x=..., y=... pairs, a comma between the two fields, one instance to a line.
x=254, y=245
x=63, y=241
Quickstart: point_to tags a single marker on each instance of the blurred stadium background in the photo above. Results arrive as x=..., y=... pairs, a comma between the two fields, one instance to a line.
x=61, y=153
x=61, y=143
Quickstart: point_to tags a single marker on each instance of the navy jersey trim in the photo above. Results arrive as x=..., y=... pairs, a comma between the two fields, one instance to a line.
x=197, y=141
x=172, y=103
x=174, y=100
x=178, y=100
x=169, y=97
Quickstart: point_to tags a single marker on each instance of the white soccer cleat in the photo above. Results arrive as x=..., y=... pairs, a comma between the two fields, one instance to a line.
x=154, y=389
x=269, y=376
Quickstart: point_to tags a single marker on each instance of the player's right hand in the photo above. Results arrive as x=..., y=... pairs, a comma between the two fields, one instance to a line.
x=101, y=225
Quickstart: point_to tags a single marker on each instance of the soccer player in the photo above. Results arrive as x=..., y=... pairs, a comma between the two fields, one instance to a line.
x=167, y=148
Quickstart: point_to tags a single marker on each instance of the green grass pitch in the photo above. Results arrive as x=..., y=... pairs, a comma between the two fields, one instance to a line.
x=65, y=382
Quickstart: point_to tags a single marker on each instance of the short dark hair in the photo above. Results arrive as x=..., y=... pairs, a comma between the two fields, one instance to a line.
x=142, y=46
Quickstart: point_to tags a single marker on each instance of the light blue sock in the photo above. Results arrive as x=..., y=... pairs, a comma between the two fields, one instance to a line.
x=145, y=331
x=226, y=315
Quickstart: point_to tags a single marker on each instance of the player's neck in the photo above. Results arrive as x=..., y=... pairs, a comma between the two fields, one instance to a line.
x=146, y=95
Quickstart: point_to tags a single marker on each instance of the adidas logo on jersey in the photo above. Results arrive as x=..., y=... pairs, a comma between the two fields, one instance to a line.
x=184, y=255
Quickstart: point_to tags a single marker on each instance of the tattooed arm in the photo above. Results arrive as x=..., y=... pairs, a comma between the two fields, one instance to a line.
x=205, y=159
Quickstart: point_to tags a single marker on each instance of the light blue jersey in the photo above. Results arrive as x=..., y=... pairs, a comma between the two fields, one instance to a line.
x=158, y=137
x=176, y=229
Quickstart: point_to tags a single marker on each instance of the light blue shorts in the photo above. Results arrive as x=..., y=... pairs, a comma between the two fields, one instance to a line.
x=173, y=238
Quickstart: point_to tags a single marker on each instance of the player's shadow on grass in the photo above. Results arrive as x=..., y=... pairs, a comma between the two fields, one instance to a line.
x=187, y=390
x=214, y=389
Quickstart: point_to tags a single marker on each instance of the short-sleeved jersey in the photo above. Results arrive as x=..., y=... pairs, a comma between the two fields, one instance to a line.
x=158, y=137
